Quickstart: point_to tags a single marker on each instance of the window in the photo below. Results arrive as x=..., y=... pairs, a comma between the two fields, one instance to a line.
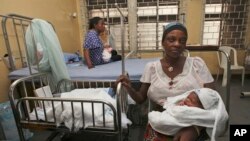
x=151, y=17
x=222, y=26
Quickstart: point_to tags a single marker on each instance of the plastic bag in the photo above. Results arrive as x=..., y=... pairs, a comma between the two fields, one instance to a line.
x=9, y=125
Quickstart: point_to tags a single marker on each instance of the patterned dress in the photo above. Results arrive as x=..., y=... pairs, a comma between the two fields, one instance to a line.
x=94, y=44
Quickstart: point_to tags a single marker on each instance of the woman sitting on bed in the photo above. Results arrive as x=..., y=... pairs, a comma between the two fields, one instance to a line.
x=93, y=46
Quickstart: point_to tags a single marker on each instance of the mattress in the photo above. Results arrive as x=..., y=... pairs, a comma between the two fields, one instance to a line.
x=110, y=71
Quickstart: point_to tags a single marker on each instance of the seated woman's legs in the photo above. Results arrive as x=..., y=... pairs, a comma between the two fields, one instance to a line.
x=115, y=56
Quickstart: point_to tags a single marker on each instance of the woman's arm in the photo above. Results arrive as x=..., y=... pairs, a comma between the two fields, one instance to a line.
x=186, y=134
x=87, y=58
x=138, y=96
x=210, y=85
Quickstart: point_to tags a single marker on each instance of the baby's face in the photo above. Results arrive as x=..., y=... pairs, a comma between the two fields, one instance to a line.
x=192, y=100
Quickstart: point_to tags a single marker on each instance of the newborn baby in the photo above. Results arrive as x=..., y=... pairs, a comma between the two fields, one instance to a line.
x=199, y=107
x=192, y=100
x=106, y=54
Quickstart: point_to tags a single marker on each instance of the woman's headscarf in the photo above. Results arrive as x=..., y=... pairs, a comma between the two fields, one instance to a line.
x=174, y=26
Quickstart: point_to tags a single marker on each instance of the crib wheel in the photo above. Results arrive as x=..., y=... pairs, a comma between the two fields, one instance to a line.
x=242, y=95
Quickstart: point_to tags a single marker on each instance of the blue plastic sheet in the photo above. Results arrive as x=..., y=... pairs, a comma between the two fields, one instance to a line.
x=9, y=125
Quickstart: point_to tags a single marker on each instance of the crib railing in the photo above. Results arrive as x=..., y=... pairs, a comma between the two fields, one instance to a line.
x=23, y=102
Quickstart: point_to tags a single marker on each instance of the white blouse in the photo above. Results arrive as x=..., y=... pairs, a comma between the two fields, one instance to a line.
x=194, y=75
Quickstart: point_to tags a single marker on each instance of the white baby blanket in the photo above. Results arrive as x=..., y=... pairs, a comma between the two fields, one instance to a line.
x=176, y=117
x=64, y=115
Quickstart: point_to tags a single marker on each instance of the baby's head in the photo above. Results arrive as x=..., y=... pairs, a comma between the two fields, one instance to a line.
x=192, y=100
x=209, y=98
x=204, y=98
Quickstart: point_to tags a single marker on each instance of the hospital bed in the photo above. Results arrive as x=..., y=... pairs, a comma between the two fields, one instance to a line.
x=14, y=28
x=94, y=115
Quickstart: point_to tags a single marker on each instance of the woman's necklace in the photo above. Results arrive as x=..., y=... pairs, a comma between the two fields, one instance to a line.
x=169, y=67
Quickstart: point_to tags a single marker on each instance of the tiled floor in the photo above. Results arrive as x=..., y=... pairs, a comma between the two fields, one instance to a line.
x=239, y=113
x=239, y=107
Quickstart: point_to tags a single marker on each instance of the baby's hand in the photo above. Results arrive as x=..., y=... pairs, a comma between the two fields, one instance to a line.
x=181, y=103
x=110, y=49
x=90, y=66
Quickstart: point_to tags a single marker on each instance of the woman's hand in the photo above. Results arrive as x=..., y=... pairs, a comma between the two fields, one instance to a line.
x=186, y=134
x=138, y=96
x=87, y=58
x=125, y=81
x=90, y=66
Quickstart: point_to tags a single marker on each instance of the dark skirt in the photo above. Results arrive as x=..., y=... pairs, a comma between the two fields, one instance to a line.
x=115, y=56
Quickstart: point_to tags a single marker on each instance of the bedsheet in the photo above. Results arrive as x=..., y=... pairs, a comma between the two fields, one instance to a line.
x=110, y=71
x=63, y=114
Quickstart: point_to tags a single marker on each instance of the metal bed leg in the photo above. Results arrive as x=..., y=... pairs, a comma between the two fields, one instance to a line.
x=243, y=94
x=20, y=131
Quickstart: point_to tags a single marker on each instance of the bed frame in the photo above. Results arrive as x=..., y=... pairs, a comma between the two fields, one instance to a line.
x=23, y=101
x=14, y=27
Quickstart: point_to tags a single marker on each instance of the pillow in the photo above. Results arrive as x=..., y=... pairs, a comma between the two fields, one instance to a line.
x=110, y=91
x=70, y=58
